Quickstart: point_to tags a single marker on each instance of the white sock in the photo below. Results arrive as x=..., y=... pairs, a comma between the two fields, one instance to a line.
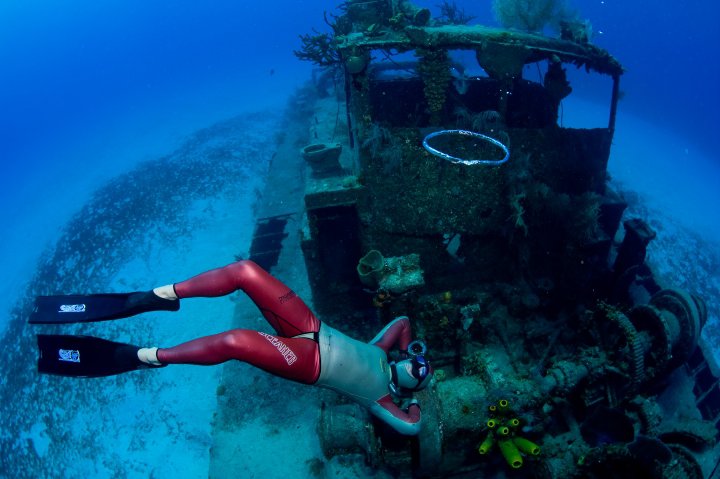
x=166, y=292
x=149, y=356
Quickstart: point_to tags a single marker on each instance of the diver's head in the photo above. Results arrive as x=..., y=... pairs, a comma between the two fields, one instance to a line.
x=411, y=374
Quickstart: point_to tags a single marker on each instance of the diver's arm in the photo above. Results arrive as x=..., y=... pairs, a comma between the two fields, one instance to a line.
x=406, y=423
x=398, y=332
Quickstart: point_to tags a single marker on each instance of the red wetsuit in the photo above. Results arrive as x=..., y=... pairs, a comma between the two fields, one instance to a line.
x=303, y=350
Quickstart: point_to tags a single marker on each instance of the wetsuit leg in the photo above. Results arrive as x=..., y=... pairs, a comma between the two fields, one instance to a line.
x=282, y=308
x=297, y=359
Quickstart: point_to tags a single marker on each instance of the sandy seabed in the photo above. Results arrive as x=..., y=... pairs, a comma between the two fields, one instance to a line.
x=166, y=220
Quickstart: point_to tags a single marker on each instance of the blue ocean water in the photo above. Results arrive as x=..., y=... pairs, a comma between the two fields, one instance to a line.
x=89, y=90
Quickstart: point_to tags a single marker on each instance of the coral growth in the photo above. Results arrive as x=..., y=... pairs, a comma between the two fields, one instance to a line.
x=451, y=14
x=376, y=137
x=575, y=30
x=529, y=15
x=585, y=217
x=381, y=144
x=518, y=213
x=318, y=48
x=393, y=156
x=434, y=69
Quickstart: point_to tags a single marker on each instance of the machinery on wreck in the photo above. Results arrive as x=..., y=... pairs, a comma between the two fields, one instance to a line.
x=557, y=353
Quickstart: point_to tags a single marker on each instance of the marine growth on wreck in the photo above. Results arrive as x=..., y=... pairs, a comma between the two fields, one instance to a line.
x=555, y=345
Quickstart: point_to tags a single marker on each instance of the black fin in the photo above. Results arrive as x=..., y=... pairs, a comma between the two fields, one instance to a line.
x=85, y=356
x=97, y=307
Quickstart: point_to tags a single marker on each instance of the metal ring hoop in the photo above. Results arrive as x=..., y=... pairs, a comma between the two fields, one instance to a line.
x=454, y=159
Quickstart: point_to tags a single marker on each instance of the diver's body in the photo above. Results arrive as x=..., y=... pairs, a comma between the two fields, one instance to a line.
x=304, y=349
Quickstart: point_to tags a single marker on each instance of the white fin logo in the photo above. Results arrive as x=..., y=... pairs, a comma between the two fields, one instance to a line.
x=69, y=355
x=71, y=308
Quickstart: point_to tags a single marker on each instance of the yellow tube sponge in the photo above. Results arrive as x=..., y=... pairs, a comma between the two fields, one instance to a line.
x=487, y=444
x=511, y=453
x=528, y=447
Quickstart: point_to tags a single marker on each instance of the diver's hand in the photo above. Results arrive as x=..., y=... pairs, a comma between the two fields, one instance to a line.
x=407, y=403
